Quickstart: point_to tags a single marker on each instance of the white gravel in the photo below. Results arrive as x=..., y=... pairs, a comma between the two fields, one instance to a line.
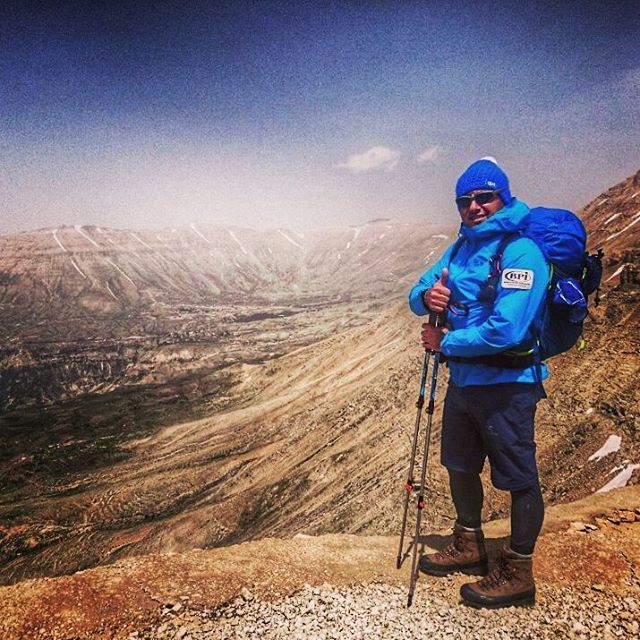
x=379, y=612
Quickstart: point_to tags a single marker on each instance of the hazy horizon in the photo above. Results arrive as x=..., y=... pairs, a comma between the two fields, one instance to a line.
x=309, y=114
x=186, y=224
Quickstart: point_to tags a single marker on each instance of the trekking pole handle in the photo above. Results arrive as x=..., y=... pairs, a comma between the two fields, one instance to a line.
x=436, y=319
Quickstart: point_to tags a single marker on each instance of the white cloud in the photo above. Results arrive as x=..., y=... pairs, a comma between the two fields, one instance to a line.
x=371, y=160
x=429, y=154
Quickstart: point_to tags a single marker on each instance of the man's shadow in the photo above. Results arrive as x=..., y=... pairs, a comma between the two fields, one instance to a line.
x=436, y=542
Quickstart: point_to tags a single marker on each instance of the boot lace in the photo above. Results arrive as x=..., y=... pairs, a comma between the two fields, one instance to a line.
x=455, y=548
x=500, y=575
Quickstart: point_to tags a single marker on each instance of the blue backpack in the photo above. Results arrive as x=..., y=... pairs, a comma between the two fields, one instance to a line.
x=575, y=275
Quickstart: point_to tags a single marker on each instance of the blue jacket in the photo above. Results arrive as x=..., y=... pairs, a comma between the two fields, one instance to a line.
x=484, y=328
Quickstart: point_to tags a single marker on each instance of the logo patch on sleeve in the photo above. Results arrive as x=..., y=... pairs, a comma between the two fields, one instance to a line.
x=517, y=279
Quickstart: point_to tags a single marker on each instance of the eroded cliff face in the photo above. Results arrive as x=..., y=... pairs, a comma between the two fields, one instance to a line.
x=612, y=220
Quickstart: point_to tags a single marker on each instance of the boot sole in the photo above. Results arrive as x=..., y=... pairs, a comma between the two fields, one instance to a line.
x=481, y=569
x=523, y=600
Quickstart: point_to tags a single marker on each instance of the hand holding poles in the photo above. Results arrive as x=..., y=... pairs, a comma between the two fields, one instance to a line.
x=436, y=300
x=432, y=333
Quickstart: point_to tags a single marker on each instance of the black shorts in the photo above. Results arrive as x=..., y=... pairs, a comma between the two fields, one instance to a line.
x=494, y=421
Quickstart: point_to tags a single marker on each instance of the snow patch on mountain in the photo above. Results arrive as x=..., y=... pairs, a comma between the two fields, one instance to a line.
x=620, y=480
x=612, y=218
x=73, y=262
x=634, y=220
x=113, y=264
x=429, y=255
x=78, y=228
x=610, y=446
x=141, y=241
x=195, y=229
x=286, y=237
x=242, y=247
x=617, y=272
x=55, y=231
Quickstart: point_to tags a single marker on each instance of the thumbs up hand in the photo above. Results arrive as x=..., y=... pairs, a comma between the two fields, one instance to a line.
x=437, y=298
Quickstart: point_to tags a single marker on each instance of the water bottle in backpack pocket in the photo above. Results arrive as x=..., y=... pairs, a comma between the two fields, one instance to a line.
x=562, y=318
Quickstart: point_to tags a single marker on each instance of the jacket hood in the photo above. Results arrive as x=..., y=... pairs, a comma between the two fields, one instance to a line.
x=510, y=219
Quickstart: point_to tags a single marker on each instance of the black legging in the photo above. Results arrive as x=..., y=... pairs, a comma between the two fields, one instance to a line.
x=527, y=509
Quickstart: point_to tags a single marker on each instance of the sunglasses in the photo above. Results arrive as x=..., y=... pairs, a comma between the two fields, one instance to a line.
x=485, y=197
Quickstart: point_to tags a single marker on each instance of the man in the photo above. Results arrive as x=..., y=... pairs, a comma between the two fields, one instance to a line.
x=489, y=342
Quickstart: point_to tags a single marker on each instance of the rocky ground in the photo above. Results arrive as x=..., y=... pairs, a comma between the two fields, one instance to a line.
x=587, y=570
x=378, y=611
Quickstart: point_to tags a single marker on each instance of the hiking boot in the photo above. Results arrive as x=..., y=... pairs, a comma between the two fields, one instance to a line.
x=510, y=583
x=466, y=553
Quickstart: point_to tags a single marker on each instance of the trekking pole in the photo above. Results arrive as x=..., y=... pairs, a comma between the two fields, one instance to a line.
x=435, y=321
x=408, y=487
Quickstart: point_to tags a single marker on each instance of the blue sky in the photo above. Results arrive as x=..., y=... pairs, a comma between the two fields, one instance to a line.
x=263, y=114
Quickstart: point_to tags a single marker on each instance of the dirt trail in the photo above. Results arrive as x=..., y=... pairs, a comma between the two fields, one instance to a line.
x=593, y=543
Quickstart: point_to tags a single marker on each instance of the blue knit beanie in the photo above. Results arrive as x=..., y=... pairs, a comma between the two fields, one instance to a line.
x=484, y=174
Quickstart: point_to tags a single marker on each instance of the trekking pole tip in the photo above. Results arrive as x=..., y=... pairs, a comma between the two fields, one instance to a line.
x=409, y=600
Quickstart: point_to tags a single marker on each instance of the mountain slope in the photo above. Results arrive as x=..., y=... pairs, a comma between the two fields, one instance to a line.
x=316, y=441
x=91, y=310
x=612, y=220
x=105, y=271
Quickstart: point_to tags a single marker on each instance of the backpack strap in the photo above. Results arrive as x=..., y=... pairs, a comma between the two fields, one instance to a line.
x=525, y=356
x=489, y=290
